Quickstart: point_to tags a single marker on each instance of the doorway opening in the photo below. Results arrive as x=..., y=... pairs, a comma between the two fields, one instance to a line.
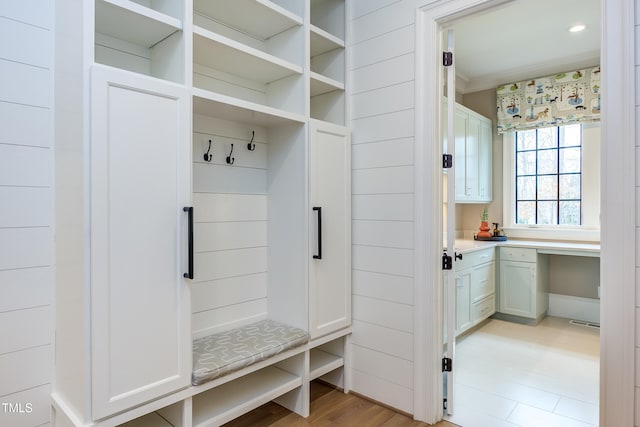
x=470, y=214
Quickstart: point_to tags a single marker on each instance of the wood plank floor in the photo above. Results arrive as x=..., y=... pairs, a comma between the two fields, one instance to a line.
x=329, y=407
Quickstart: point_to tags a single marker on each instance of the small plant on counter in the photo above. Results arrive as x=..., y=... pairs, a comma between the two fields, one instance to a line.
x=485, y=215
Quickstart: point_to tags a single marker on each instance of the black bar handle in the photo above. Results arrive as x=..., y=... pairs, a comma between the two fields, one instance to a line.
x=189, y=209
x=319, y=209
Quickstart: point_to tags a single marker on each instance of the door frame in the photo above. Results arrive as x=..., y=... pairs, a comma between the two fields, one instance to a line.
x=618, y=190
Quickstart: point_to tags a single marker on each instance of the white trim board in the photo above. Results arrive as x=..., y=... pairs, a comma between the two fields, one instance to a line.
x=570, y=307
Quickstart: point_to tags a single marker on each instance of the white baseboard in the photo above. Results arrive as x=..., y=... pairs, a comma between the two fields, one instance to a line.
x=585, y=309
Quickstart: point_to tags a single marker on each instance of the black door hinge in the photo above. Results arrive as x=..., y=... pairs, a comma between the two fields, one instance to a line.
x=447, y=262
x=444, y=403
x=447, y=364
x=447, y=161
x=447, y=59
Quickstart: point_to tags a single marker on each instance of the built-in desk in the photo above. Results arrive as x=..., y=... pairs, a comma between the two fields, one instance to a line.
x=536, y=278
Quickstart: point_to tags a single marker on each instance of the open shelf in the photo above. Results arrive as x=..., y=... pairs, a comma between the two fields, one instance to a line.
x=242, y=15
x=228, y=401
x=149, y=420
x=224, y=54
x=329, y=15
x=322, y=363
x=322, y=41
x=322, y=84
x=229, y=108
x=134, y=23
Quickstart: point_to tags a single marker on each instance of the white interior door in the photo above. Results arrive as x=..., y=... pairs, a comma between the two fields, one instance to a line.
x=450, y=281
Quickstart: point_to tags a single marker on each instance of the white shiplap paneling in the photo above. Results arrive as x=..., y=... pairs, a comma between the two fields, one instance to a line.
x=383, y=313
x=230, y=263
x=383, y=92
x=384, y=340
x=383, y=260
x=392, y=207
x=389, y=99
x=24, y=166
x=225, y=318
x=25, y=369
x=24, y=84
x=386, y=73
x=210, y=178
x=40, y=400
x=24, y=288
x=229, y=207
x=34, y=12
x=218, y=236
x=29, y=45
x=389, y=234
x=384, y=180
x=395, y=152
x=226, y=292
x=395, y=125
x=25, y=247
x=382, y=286
x=383, y=21
x=395, y=43
x=25, y=207
x=24, y=125
x=25, y=329
x=384, y=366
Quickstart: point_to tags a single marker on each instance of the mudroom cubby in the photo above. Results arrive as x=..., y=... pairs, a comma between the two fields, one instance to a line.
x=327, y=60
x=256, y=60
x=198, y=197
x=143, y=36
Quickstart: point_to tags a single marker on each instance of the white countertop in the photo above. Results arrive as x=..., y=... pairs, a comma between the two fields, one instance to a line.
x=466, y=246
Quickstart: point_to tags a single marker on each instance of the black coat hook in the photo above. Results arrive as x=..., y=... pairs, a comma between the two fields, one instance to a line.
x=231, y=160
x=251, y=146
x=208, y=156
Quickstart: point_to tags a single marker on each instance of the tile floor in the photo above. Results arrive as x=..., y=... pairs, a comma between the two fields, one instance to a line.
x=508, y=375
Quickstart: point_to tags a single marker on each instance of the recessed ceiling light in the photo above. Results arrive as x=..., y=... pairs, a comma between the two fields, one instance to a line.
x=577, y=28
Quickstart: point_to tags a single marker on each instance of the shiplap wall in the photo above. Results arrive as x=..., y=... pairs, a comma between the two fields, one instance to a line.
x=26, y=244
x=637, y=328
x=382, y=90
x=230, y=226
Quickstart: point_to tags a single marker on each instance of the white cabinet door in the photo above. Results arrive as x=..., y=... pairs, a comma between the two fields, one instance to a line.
x=330, y=228
x=140, y=182
x=462, y=191
x=518, y=288
x=485, y=161
x=463, y=300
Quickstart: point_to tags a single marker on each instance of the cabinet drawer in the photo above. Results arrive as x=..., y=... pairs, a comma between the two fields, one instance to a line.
x=483, y=309
x=483, y=281
x=518, y=254
x=483, y=256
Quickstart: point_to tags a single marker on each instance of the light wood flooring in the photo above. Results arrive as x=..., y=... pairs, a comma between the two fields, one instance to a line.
x=329, y=407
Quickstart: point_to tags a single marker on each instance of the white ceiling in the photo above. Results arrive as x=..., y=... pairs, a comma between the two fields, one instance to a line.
x=524, y=39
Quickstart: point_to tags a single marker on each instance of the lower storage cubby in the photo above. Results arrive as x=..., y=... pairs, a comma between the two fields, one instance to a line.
x=228, y=401
x=322, y=362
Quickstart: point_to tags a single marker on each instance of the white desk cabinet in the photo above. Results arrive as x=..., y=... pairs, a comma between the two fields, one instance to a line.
x=330, y=228
x=523, y=283
x=475, y=288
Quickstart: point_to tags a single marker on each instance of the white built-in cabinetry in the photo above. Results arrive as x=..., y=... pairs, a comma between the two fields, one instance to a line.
x=473, y=155
x=523, y=283
x=475, y=288
x=256, y=86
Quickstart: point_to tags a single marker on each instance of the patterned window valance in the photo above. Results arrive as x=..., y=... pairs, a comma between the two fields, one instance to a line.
x=560, y=99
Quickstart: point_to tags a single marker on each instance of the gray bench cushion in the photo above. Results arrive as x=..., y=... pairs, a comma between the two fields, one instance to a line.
x=220, y=354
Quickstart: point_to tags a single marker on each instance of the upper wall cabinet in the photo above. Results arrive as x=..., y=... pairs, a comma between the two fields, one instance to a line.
x=473, y=157
x=327, y=60
x=144, y=37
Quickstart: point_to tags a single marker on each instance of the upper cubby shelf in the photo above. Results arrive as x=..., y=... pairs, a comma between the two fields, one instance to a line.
x=322, y=41
x=322, y=84
x=260, y=19
x=218, y=105
x=224, y=54
x=134, y=23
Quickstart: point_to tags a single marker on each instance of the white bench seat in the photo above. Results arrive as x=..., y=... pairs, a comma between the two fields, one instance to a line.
x=220, y=354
